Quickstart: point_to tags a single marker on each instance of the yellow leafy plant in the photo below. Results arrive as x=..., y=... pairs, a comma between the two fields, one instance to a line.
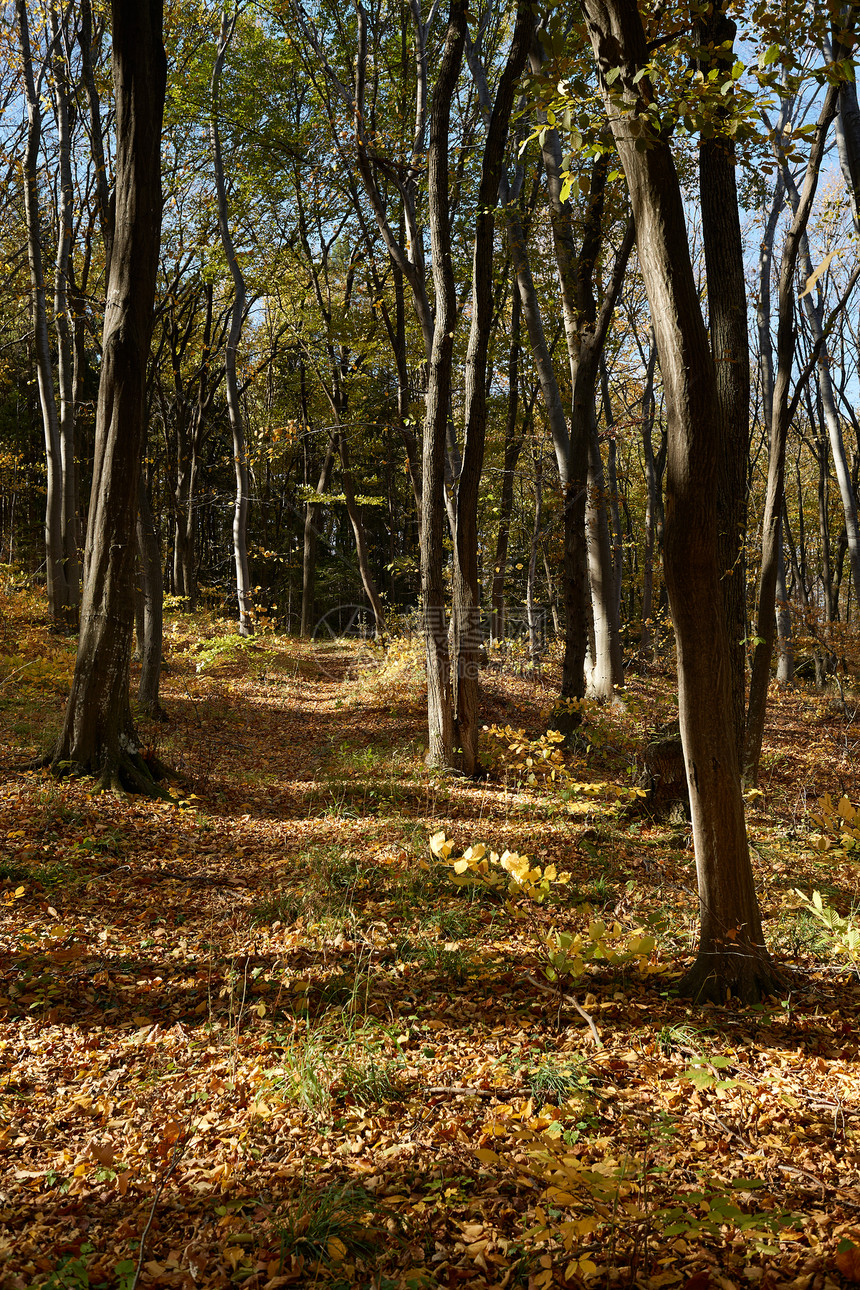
x=840, y=825
x=569, y=954
x=844, y=932
x=531, y=761
x=508, y=872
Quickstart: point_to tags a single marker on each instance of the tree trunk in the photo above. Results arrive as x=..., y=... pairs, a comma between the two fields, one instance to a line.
x=150, y=637
x=468, y=640
x=765, y=629
x=237, y=318
x=309, y=556
x=785, y=659
x=785, y=653
x=514, y=435
x=607, y=671
x=62, y=95
x=653, y=503
x=355, y=519
x=585, y=333
x=614, y=494
x=440, y=716
x=732, y=957
x=98, y=735
x=531, y=608
x=727, y=310
x=60, y=601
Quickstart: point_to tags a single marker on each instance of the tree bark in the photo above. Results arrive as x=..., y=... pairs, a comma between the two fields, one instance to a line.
x=355, y=519
x=152, y=596
x=60, y=599
x=514, y=434
x=468, y=640
x=765, y=629
x=98, y=735
x=237, y=318
x=309, y=553
x=440, y=715
x=62, y=95
x=732, y=956
x=727, y=316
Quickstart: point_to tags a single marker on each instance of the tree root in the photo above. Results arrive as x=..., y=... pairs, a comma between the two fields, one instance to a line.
x=746, y=974
x=122, y=773
x=153, y=710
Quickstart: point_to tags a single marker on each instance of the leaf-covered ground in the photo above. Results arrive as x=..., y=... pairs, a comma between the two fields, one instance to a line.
x=259, y=1037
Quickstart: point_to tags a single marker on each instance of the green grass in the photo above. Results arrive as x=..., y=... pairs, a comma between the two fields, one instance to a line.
x=327, y=1225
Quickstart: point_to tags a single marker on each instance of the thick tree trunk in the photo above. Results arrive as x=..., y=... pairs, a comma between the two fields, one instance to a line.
x=98, y=734
x=237, y=318
x=727, y=310
x=440, y=715
x=765, y=628
x=732, y=957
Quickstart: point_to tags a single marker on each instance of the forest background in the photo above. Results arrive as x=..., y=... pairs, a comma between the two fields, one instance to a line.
x=419, y=376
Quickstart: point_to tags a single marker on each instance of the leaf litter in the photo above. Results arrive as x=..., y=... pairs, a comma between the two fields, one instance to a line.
x=261, y=1037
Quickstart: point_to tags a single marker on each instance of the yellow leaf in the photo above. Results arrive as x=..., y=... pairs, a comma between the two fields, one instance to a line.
x=559, y=1197
x=336, y=1250
x=460, y=866
x=819, y=272
x=487, y=1157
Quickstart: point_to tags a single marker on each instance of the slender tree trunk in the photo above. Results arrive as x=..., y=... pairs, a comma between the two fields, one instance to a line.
x=531, y=609
x=732, y=956
x=98, y=735
x=237, y=318
x=468, y=640
x=355, y=519
x=785, y=660
x=150, y=636
x=765, y=628
x=311, y=536
x=514, y=435
x=60, y=603
x=585, y=333
x=653, y=489
x=785, y=653
x=62, y=95
x=89, y=42
x=440, y=715
x=608, y=670
x=614, y=494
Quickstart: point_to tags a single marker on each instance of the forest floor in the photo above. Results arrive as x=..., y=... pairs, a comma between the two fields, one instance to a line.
x=259, y=1036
